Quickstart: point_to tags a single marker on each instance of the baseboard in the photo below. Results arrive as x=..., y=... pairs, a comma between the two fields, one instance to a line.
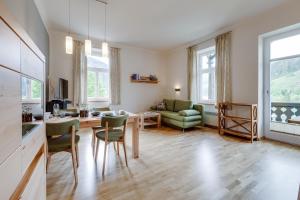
x=210, y=126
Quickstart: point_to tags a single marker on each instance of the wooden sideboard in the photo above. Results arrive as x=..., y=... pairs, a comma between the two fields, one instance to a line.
x=22, y=159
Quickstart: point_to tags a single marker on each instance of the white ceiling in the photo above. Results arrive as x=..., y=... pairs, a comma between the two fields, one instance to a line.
x=153, y=24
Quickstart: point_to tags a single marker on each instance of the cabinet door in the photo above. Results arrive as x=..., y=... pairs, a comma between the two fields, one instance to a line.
x=10, y=173
x=11, y=112
x=36, y=187
x=31, y=145
x=31, y=65
x=9, y=47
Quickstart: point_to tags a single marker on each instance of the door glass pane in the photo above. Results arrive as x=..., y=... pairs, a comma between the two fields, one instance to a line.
x=285, y=80
x=204, y=86
x=285, y=89
x=285, y=47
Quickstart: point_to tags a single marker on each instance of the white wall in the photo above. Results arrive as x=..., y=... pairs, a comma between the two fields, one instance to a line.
x=245, y=36
x=60, y=65
x=135, y=97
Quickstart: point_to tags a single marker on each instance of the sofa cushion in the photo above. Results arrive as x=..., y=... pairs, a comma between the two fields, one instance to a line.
x=176, y=116
x=182, y=105
x=181, y=124
x=189, y=112
x=169, y=103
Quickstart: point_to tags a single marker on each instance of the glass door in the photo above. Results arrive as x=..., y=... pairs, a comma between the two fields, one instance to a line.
x=282, y=83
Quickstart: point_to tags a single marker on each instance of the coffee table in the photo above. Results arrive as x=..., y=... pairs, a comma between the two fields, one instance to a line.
x=150, y=119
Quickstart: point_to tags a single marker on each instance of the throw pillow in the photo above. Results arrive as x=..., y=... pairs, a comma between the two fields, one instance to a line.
x=161, y=106
x=187, y=113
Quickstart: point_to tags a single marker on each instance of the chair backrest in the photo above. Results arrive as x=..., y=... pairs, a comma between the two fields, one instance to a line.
x=55, y=129
x=114, y=121
x=102, y=109
x=72, y=110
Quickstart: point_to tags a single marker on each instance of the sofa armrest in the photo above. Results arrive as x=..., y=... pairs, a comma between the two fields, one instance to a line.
x=200, y=108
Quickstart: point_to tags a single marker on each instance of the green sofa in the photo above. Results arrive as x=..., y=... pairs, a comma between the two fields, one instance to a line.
x=182, y=114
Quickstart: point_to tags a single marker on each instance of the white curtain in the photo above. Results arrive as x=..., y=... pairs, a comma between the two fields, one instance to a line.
x=193, y=79
x=115, y=84
x=80, y=74
x=223, y=68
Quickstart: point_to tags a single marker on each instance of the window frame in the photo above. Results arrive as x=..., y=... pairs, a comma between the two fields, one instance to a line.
x=97, y=71
x=210, y=71
x=29, y=98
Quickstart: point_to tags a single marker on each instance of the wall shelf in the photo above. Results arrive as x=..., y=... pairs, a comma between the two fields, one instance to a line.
x=144, y=81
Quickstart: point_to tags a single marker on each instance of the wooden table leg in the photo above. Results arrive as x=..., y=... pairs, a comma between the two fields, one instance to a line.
x=135, y=138
x=142, y=121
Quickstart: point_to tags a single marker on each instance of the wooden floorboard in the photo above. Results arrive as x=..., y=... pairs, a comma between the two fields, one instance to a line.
x=197, y=164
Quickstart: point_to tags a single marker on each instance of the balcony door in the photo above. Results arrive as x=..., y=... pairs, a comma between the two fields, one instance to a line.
x=282, y=84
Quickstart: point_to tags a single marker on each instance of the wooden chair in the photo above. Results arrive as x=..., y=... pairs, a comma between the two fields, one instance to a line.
x=95, y=128
x=102, y=109
x=62, y=137
x=113, y=130
x=72, y=110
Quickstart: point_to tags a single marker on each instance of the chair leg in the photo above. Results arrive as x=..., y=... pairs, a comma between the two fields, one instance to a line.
x=74, y=164
x=93, y=141
x=124, y=147
x=77, y=155
x=115, y=146
x=97, y=147
x=48, y=162
x=104, y=159
x=118, y=148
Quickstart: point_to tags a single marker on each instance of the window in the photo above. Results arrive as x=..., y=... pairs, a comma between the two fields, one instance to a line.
x=206, y=62
x=31, y=90
x=97, y=77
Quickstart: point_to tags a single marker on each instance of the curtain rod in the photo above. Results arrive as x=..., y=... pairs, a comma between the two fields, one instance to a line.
x=209, y=39
x=101, y=1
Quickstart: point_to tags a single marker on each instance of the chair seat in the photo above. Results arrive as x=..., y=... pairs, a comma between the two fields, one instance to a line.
x=113, y=135
x=61, y=143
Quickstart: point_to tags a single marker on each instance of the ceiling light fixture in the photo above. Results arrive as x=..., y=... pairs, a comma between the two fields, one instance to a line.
x=104, y=43
x=88, y=42
x=69, y=39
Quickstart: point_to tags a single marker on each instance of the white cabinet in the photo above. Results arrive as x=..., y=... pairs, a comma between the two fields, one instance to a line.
x=31, y=144
x=31, y=65
x=36, y=187
x=10, y=175
x=9, y=47
x=11, y=113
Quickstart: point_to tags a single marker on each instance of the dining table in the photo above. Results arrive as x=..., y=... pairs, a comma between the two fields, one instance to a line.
x=91, y=121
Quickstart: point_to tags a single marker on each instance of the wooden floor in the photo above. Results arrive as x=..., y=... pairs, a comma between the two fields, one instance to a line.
x=197, y=164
